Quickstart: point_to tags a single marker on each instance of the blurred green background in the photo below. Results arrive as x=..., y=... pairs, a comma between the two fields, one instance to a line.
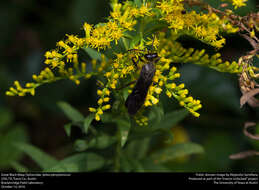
x=29, y=28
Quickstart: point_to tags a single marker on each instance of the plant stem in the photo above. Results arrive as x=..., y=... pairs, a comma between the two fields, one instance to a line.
x=117, y=153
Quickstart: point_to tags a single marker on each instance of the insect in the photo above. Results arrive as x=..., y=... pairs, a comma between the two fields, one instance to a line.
x=137, y=98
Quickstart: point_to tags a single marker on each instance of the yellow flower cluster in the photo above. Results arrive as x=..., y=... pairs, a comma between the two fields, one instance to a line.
x=18, y=90
x=179, y=93
x=102, y=102
x=178, y=54
x=141, y=120
x=171, y=11
x=73, y=73
x=204, y=26
x=45, y=76
x=129, y=24
x=122, y=18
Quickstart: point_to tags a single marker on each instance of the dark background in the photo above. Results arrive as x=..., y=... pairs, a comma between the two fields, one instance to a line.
x=29, y=28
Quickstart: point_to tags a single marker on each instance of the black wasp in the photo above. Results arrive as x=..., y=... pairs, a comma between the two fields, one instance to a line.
x=137, y=98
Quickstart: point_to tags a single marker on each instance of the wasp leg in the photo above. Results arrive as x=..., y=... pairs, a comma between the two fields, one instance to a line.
x=130, y=83
x=135, y=50
x=141, y=59
x=99, y=83
x=157, y=59
x=135, y=62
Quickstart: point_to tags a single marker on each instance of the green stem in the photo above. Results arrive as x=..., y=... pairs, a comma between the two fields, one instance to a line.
x=46, y=81
x=117, y=153
x=141, y=28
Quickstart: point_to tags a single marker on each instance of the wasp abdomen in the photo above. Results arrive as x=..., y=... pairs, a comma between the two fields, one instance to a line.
x=137, y=98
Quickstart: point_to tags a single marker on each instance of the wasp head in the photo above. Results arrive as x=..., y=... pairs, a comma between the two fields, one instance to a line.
x=151, y=56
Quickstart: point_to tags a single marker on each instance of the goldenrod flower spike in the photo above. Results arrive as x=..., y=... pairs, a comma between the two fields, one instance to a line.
x=130, y=26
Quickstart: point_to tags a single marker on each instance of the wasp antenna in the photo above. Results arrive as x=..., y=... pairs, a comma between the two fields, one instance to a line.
x=135, y=50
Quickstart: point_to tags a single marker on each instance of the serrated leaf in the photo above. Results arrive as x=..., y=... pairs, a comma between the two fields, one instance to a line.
x=88, y=121
x=41, y=158
x=175, y=151
x=170, y=119
x=71, y=112
x=83, y=162
x=93, y=53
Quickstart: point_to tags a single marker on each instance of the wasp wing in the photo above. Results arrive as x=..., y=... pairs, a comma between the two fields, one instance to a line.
x=137, y=98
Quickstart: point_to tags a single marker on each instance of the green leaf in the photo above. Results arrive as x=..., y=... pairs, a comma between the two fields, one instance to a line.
x=138, y=2
x=153, y=26
x=125, y=93
x=18, y=167
x=145, y=132
x=125, y=43
x=80, y=145
x=106, y=118
x=175, y=151
x=136, y=165
x=67, y=128
x=156, y=115
x=150, y=166
x=82, y=162
x=71, y=112
x=88, y=121
x=101, y=141
x=138, y=148
x=8, y=153
x=41, y=158
x=171, y=119
x=168, y=135
x=124, y=127
x=93, y=53
x=135, y=41
x=125, y=164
